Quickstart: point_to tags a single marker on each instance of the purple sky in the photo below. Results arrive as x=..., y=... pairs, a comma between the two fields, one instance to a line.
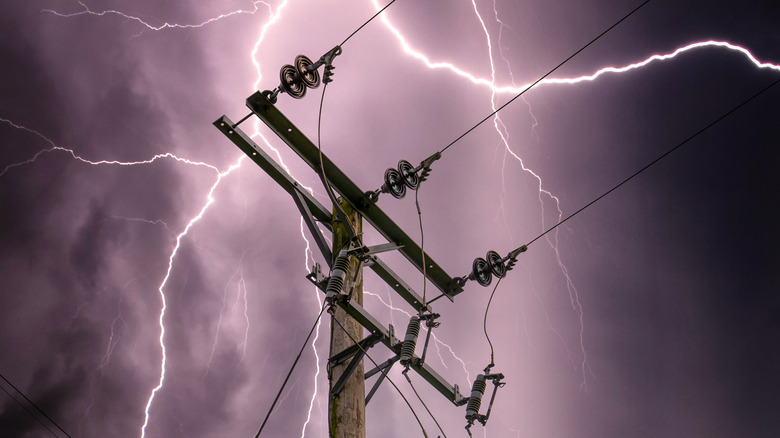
x=655, y=312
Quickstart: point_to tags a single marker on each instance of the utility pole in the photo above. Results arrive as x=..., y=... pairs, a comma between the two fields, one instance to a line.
x=347, y=408
x=347, y=398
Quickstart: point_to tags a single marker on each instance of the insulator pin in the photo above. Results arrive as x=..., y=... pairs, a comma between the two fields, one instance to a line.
x=410, y=341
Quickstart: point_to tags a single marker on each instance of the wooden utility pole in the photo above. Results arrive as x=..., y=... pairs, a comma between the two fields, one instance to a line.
x=347, y=409
x=347, y=399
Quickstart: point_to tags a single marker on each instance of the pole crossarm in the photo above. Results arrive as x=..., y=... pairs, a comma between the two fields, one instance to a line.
x=356, y=311
x=279, y=124
x=315, y=208
x=274, y=170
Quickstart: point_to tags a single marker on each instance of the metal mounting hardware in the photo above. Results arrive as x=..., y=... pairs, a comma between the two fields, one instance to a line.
x=382, y=368
x=322, y=244
x=293, y=137
x=297, y=78
x=356, y=353
x=483, y=270
x=430, y=322
x=475, y=400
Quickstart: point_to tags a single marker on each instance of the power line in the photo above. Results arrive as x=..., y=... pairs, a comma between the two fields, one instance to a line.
x=323, y=177
x=367, y=21
x=34, y=405
x=289, y=373
x=543, y=77
x=28, y=411
x=662, y=156
x=406, y=374
x=484, y=320
x=422, y=246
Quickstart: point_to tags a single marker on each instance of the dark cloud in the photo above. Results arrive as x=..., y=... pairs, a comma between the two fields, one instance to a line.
x=674, y=272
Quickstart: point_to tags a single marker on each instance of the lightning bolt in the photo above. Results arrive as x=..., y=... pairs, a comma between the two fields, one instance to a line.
x=514, y=90
x=171, y=258
x=273, y=18
x=87, y=11
x=314, y=397
x=209, y=201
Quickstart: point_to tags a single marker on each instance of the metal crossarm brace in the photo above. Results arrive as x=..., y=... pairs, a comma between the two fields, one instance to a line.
x=356, y=352
x=276, y=172
x=382, y=368
x=313, y=228
x=294, y=138
x=322, y=215
x=355, y=310
x=318, y=211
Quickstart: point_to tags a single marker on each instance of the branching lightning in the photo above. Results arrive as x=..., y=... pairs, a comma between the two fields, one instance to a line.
x=273, y=18
x=87, y=11
x=209, y=202
x=179, y=237
x=514, y=90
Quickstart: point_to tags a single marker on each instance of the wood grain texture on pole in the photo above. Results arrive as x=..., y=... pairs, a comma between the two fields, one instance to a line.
x=347, y=410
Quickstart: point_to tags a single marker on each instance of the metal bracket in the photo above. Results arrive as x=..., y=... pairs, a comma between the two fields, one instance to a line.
x=317, y=277
x=382, y=368
x=430, y=322
x=356, y=352
x=313, y=228
x=364, y=253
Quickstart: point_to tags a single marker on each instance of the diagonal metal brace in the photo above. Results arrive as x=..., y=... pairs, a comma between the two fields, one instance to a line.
x=382, y=368
x=313, y=228
x=356, y=352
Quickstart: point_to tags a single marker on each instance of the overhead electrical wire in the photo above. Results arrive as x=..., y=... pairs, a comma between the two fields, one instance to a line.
x=325, y=81
x=33, y=405
x=324, y=177
x=367, y=21
x=384, y=373
x=422, y=248
x=29, y=412
x=289, y=373
x=484, y=321
x=650, y=164
x=406, y=374
x=545, y=75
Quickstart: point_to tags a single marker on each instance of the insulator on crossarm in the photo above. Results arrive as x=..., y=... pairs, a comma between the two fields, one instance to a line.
x=410, y=341
x=336, y=281
x=475, y=400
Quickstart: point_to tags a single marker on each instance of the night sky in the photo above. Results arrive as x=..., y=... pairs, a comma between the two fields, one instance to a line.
x=655, y=312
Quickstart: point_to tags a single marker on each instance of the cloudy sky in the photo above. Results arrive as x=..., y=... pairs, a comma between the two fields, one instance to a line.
x=655, y=312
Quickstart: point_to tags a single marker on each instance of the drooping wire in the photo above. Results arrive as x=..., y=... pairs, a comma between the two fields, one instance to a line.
x=406, y=374
x=289, y=373
x=367, y=21
x=324, y=177
x=33, y=405
x=384, y=373
x=662, y=156
x=546, y=74
x=484, y=321
x=422, y=246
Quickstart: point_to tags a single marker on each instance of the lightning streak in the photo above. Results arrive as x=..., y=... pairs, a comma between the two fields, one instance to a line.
x=196, y=218
x=166, y=25
x=274, y=18
x=314, y=397
x=514, y=89
x=77, y=157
